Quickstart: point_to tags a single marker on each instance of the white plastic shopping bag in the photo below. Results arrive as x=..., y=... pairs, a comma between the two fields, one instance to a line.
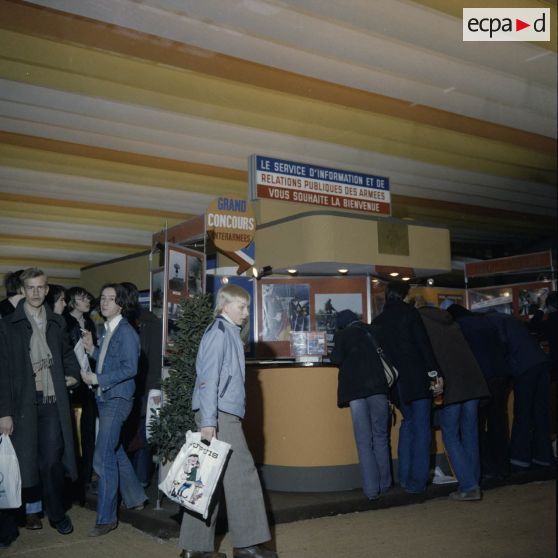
x=10, y=478
x=195, y=473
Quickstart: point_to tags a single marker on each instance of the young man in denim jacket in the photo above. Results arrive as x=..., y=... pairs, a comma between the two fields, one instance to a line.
x=219, y=399
x=117, y=364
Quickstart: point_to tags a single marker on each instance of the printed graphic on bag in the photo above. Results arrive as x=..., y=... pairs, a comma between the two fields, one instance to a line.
x=187, y=485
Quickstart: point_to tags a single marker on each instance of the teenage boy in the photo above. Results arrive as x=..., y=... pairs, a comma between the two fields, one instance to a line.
x=113, y=379
x=218, y=400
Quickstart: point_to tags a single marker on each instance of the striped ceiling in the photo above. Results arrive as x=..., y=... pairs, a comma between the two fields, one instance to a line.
x=120, y=116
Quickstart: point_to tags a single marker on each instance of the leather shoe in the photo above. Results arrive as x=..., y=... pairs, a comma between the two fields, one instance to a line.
x=201, y=554
x=101, y=529
x=64, y=526
x=33, y=521
x=255, y=551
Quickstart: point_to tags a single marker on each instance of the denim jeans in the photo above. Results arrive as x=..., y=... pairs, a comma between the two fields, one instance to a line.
x=413, y=451
x=459, y=424
x=370, y=426
x=530, y=436
x=111, y=463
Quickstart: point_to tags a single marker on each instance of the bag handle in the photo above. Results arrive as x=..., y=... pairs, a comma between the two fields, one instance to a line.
x=375, y=344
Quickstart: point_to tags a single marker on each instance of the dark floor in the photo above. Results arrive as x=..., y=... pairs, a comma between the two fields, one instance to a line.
x=163, y=520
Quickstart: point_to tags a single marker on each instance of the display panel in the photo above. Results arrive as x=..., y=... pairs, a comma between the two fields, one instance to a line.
x=304, y=304
x=522, y=299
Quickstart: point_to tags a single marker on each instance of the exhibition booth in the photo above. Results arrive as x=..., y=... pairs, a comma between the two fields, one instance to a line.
x=302, y=263
x=299, y=437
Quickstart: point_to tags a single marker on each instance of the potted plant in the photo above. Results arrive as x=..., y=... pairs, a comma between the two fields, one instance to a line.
x=175, y=417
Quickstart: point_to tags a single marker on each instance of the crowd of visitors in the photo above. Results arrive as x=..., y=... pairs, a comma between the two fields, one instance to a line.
x=456, y=369
x=63, y=349
x=43, y=383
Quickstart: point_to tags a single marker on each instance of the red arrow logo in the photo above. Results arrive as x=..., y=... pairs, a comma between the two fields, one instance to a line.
x=519, y=25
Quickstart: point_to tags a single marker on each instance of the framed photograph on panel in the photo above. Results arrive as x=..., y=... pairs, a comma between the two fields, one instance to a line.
x=285, y=308
x=184, y=276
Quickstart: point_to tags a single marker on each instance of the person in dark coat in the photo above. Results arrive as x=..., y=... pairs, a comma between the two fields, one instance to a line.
x=464, y=386
x=150, y=330
x=14, y=293
x=56, y=298
x=43, y=366
x=404, y=339
x=529, y=367
x=490, y=353
x=546, y=328
x=78, y=321
x=362, y=385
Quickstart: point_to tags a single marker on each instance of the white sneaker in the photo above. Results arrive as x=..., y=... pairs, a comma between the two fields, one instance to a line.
x=441, y=478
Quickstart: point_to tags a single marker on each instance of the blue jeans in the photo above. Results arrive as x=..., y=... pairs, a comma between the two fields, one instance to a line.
x=111, y=463
x=413, y=451
x=459, y=424
x=370, y=425
x=530, y=436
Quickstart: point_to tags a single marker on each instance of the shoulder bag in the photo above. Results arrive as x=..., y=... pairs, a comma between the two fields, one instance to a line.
x=390, y=371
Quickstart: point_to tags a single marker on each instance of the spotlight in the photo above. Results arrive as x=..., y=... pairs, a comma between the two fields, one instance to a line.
x=430, y=282
x=405, y=278
x=343, y=271
x=394, y=274
x=292, y=271
x=263, y=272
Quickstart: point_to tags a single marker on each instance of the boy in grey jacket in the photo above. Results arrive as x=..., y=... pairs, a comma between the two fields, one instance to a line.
x=219, y=402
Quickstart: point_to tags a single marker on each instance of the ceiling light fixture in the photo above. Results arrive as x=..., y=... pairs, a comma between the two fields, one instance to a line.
x=394, y=274
x=292, y=271
x=263, y=272
x=343, y=271
x=405, y=278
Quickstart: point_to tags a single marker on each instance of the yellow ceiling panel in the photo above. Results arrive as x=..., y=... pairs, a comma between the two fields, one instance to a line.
x=57, y=210
x=67, y=244
x=191, y=93
x=68, y=29
x=480, y=218
x=75, y=165
x=22, y=263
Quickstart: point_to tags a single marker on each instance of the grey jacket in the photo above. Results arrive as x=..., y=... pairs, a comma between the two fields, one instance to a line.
x=220, y=373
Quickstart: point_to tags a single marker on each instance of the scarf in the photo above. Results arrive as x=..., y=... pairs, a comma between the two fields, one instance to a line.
x=39, y=351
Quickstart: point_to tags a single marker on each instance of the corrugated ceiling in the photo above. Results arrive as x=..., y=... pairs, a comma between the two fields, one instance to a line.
x=118, y=117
